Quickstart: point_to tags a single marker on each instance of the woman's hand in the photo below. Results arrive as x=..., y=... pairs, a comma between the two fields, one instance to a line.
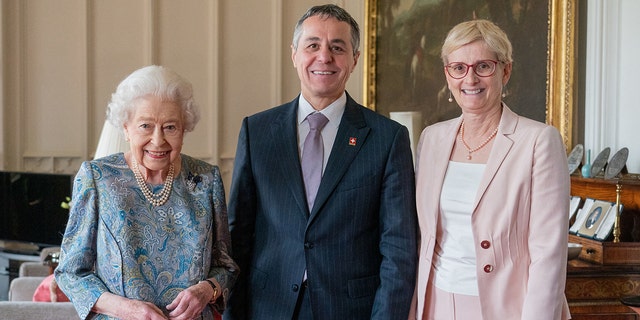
x=124, y=308
x=190, y=302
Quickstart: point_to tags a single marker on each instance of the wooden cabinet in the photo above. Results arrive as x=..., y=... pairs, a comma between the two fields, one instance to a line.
x=594, y=290
x=595, y=286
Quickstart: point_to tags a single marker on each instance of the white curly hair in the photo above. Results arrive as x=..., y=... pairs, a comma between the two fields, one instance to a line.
x=157, y=81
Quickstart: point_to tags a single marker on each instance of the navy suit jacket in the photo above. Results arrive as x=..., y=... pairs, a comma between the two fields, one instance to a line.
x=358, y=243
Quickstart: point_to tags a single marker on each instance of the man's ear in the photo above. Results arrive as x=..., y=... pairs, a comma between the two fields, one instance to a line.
x=355, y=59
x=293, y=56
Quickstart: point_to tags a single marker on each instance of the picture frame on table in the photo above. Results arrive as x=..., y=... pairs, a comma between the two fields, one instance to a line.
x=404, y=71
x=574, y=204
x=606, y=228
x=581, y=215
x=594, y=216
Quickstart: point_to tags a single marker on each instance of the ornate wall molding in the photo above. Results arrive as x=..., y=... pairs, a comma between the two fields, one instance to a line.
x=51, y=164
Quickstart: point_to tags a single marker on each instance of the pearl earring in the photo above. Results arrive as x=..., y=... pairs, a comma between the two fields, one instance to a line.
x=450, y=97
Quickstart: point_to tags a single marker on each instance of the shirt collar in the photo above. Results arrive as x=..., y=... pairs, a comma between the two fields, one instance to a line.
x=333, y=111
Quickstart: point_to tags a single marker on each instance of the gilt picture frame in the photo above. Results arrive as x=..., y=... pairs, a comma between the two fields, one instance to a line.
x=403, y=69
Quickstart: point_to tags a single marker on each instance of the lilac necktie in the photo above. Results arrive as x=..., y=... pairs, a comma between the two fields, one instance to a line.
x=313, y=156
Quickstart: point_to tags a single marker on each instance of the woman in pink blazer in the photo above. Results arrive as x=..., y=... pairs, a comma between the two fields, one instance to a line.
x=492, y=196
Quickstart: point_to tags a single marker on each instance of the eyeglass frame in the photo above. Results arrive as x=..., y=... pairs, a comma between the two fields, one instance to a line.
x=472, y=66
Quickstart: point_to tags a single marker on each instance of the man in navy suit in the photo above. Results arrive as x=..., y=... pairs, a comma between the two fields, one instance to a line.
x=352, y=253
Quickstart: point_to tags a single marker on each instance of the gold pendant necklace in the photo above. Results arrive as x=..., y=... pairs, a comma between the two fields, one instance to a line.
x=484, y=143
x=155, y=199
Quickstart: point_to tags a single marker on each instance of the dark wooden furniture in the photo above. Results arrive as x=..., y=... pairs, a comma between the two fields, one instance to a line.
x=594, y=290
x=598, y=279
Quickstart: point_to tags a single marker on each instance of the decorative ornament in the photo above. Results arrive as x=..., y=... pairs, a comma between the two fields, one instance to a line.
x=586, y=167
x=575, y=157
x=193, y=180
x=617, y=164
x=597, y=166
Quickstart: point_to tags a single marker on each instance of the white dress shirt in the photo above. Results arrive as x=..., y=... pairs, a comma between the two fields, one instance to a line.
x=333, y=112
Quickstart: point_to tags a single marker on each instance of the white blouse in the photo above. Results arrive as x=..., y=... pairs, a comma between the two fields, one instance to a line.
x=455, y=256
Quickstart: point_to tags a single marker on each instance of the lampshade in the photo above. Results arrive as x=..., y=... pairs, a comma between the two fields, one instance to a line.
x=111, y=141
x=413, y=121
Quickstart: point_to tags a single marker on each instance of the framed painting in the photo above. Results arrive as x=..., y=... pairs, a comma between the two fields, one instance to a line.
x=404, y=71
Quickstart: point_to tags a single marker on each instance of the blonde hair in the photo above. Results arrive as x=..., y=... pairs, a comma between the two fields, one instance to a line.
x=474, y=30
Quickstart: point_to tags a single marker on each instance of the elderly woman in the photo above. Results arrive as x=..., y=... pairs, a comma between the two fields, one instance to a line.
x=493, y=191
x=147, y=236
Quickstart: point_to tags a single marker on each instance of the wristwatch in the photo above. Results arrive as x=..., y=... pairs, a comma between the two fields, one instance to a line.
x=215, y=290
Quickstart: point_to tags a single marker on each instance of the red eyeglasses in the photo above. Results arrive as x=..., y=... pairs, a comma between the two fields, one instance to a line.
x=483, y=68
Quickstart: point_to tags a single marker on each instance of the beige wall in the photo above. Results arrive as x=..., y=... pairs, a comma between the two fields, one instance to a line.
x=62, y=60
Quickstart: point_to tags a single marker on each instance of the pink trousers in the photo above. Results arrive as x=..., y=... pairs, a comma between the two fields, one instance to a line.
x=442, y=305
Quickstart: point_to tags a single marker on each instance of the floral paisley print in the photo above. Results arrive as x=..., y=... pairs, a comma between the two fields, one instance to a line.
x=117, y=242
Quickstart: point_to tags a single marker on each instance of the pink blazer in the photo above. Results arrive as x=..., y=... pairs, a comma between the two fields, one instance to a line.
x=520, y=218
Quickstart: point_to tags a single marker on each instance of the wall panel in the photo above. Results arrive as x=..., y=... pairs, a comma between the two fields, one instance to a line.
x=54, y=93
x=119, y=42
x=248, y=59
x=63, y=59
x=187, y=42
x=2, y=82
x=53, y=98
x=11, y=83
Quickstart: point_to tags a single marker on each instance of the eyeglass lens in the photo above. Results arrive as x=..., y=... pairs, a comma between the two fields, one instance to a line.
x=484, y=68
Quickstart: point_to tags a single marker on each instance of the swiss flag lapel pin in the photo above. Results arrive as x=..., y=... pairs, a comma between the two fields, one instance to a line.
x=352, y=141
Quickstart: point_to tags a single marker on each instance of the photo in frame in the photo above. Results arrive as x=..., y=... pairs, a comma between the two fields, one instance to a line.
x=595, y=215
x=404, y=71
x=581, y=216
x=606, y=227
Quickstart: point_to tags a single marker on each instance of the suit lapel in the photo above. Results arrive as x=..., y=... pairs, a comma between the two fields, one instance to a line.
x=432, y=167
x=352, y=133
x=284, y=133
x=501, y=147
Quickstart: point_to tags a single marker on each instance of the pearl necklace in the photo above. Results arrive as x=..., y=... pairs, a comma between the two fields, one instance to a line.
x=155, y=199
x=484, y=143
